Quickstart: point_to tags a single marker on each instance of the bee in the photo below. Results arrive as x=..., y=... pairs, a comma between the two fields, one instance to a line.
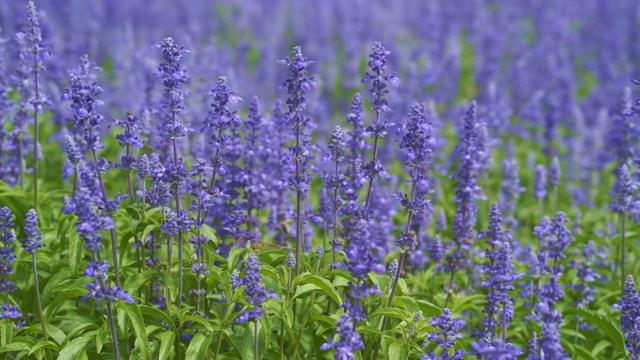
x=255, y=245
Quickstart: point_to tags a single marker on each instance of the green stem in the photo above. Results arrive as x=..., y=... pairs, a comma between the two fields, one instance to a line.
x=304, y=322
x=622, y=249
x=256, y=340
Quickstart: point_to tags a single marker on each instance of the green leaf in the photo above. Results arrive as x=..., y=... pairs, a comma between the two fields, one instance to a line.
x=73, y=349
x=16, y=346
x=6, y=332
x=54, y=283
x=603, y=322
x=135, y=316
x=166, y=344
x=198, y=347
x=428, y=309
x=75, y=253
x=154, y=313
x=135, y=281
x=393, y=312
x=42, y=345
x=314, y=282
x=398, y=351
x=200, y=320
x=248, y=343
x=62, y=297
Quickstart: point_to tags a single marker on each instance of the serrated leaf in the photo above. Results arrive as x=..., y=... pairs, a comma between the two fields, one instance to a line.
x=166, y=344
x=603, y=322
x=198, y=347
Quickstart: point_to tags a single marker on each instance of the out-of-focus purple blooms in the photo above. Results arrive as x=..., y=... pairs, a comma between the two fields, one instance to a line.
x=319, y=251
x=73, y=153
x=436, y=251
x=629, y=305
x=441, y=221
x=623, y=189
x=510, y=191
x=33, y=236
x=445, y=335
x=495, y=349
x=177, y=223
x=555, y=172
x=34, y=52
x=534, y=350
x=540, y=182
x=7, y=257
x=256, y=292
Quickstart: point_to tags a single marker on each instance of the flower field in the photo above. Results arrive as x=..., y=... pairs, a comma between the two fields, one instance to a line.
x=320, y=179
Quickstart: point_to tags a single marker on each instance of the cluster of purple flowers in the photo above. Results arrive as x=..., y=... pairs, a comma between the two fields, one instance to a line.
x=629, y=305
x=7, y=257
x=256, y=292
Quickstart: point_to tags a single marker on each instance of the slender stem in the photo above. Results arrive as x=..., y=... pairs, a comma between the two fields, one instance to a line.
x=539, y=208
x=256, y=340
x=38, y=299
x=450, y=286
x=135, y=235
x=555, y=198
x=283, y=315
x=35, y=133
x=178, y=211
x=435, y=277
x=114, y=242
x=112, y=327
x=334, y=230
x=622, y=249
x=299, y=234
x=302, y=326
x=21, y=156
x=374, y=160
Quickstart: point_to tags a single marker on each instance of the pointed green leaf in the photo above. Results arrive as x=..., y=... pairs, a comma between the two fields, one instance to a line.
x=198, y=347
x=166, y=344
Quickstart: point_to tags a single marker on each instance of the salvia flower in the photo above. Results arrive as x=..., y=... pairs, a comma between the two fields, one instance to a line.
x=534, y=350
x=540, y=181
x=173, y=77
x=441, y=221
x=623, y=189
x=350, y=340
x=392, y=269
x=629, y=305
x=7, y=257
x=256, y=292
x=555, y=172
x=447, y=330
x=510, y=191
x=378, y=66
x=33, y=236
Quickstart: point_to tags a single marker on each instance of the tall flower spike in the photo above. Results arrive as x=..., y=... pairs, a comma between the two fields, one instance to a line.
x=540, y=182
x=7, y=257
x=629, y=305
x=446, y=331
x=297, y=86
x=467, y=194
x=33, y=55
x=256, y=292
x=378, y=128
x=555, y=172
x=33, y=236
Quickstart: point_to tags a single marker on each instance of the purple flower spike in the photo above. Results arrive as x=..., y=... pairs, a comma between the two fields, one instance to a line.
x=256, y=292
x=33, y=236
x=629, y=305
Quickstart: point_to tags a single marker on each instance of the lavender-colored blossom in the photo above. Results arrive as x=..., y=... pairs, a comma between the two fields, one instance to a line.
x=540, y=182
x=467, y=193
x=436, y=251
x=7, y=257
x=33, y=236
x=623, y=189
x=496, y=349
x=378, y=66
x=127, y=140
x=445, y=335
x=534, y=350
x=173, y=77
x=392, y=268
x=555, y=172
x=629, y=305
x=256, y=292
x=510, y=191
x=350, y=340
x=587, y=275
x=441, y=221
